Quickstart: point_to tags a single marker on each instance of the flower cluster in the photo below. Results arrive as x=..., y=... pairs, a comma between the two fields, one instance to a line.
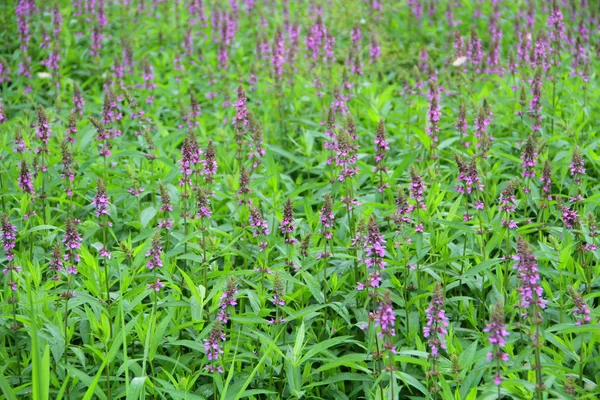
x=155, y=252
x=287, y=223
x=437, y=322
x=101, y=201
x=498, y=336
x=530, y=288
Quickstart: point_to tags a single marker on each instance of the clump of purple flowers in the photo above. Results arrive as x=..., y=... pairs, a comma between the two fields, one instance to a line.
x=72, y=241
x=259, y=225
x=287, y=223
x=9, y=235
x=385, y=318
x=227, y=300
x=530, y=288
x=327, y=219
x=155, y=252
x=101, y=201
x=582, y=311
x=212, y=346
x=529, y=157
x=25, y=182
x=374, y=245
x=437, y=322
x=498, y=336
x=577, y=166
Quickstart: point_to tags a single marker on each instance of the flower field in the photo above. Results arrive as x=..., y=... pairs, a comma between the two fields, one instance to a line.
x=274, y=199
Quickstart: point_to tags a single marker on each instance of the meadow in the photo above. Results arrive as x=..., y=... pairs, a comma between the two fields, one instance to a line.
x=274, y=199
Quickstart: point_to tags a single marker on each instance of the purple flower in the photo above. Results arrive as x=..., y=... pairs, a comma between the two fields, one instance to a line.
x=535, y=106
x=43, y=128
x=278, y=299
x=433, y=113
x=530, y=289
x=258, y=223
x=577, y=166
x=498, y=336
x=227, y=300
x=384, y=317
x=56, y=260
x=25, y=182
x=203, y=203
x=278, y=55
x=529, y=157
x=78, y=101
x=96, y=45
x=437, y=322
x=241, y=111
x=155, y=252
x=417, y=187
x=210, y=162
x=475, y=52
x=287, y=223
x=9, y=235
x=327, y=218
x=72, y=241
x=546, y=180
x=582, y=311
x=165, y=199
x=212, y=345
x=156, y=286
x=507, y=197
x=101, y=201
x=570, y=217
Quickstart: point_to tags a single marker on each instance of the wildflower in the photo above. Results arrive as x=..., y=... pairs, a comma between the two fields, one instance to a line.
x=346, y=156
x=402, y=207
x=498, y=336
x=165, y=199
x=529, y=157
x=577, y=166
x=244, y=189
x=475, y=52
x=240, y=108
x=210, y=162
x=9, y=235
x=155, y=252
x=546, y=180
x=78, y=101
x=592, y=225
x=72, y=241
x=156, y=286
x=258, y=151
x=327, y=218
x=227, y=300
x=25, y=182
x=385, y=317
x=417, y=187
x=278, y=290
x=43, y=128
x=257, y=222
x=203, y=203
x=212, y=345
x=56, y=260
x=507, y=197
x=305, y=244
x=582, y=311
x=530, y=289
x=433, y=113
x=101, y=201
x=437, y=322
x=287, y=223
x=570, y=217
x=535, y=105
